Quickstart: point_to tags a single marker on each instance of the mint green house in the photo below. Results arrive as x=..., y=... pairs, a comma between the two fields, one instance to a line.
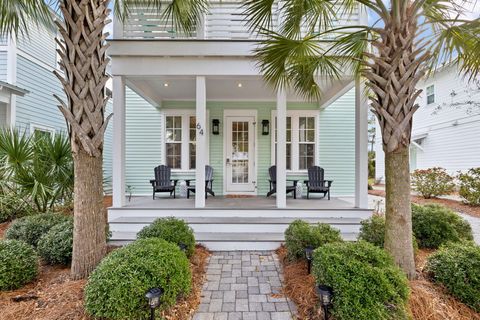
x=191, y=102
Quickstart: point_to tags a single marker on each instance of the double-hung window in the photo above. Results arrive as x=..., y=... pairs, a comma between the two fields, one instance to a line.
x=431, y=94
x=180, y=139
x=301, y=140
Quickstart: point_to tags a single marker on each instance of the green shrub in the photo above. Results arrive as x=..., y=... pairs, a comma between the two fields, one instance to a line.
x=470, y=186
x=366, y=283
x=172, y=230
x=55, y=246
x=432, y=182
x=12, y=206
x=116, y=289
x=373, y=230
x=301, y=234
x=31, y=228
x=434, y=225
x=18, y=264
x=457, y=267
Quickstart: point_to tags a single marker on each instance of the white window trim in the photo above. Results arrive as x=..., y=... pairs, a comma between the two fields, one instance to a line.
x=432, y=94
x=295, y=115
x=185, y=114
x=41, y=127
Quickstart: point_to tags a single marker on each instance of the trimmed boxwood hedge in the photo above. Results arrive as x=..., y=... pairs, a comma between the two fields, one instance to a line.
x=18, y=264
x=116, y=289
x=172, y=230
x=301, y=234
x=31, y=228
x=366, y=283
x=457, y=267
x=434, y=225
x=55, y=246
x=373, y=230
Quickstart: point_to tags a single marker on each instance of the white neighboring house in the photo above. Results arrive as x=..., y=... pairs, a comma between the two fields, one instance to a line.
x=27, y=86
x=446, y=128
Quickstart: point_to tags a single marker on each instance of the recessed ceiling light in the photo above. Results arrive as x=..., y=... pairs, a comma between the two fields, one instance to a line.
x=240, y=84
x=165, y=84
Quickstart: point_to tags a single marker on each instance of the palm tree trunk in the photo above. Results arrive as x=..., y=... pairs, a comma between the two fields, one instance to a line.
x=398, y=228
x=84, y=61
x=89, y=244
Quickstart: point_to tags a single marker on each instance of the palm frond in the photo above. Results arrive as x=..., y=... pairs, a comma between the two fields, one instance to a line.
x=183, y=14
x=15, y=16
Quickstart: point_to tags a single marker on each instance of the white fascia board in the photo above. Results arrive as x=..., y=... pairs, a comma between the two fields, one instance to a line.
x=177, y=66
x=179, y=48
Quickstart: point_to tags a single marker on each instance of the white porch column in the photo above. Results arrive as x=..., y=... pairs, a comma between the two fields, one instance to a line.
x=281, y=148
x=118, y=171
x=201, y=143
x=361, y=146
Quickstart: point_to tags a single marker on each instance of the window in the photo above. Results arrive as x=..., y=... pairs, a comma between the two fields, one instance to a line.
x=180, y=139
x=41, y=130
x=301, y=140
x=174, y=141
x=306, y=144
x=431, y=94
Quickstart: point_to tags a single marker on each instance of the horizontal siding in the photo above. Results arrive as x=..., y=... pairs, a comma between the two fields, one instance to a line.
x=108, y=152
x=38, y=106
x=40, y=43
x=3, y=114
x=3, y=65
x=336, y=150
x=144, y=131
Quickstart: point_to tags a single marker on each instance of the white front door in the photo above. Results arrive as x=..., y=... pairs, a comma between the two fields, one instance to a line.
x=240, y=154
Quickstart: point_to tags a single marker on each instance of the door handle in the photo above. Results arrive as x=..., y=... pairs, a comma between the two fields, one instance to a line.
x=227, y=161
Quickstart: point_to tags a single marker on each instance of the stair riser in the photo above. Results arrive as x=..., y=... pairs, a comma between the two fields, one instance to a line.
x=273, y=213
x=227, y=228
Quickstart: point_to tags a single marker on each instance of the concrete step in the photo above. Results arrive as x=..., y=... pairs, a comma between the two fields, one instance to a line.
x=226, y=240
x=240, y=220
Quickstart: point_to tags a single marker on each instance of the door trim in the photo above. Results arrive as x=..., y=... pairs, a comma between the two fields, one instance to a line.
x=240, y=113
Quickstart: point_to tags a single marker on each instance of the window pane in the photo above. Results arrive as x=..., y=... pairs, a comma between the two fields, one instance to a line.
x=306, y=156
x=173, y=128
x=193, y=150
x=174, y=155
x=193, y=129
x=306, y=127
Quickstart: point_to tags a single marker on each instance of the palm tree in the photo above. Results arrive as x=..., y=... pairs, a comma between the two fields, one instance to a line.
x=84, y=61
x=409, y=39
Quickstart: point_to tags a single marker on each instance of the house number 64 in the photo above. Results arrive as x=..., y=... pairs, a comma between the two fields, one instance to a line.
x=199, y=128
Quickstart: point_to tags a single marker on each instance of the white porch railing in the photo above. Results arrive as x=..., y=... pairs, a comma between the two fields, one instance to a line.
x=225, y=20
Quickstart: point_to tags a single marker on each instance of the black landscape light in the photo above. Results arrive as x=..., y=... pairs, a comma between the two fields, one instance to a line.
x=183, y=247
x=153, y=296
x=309, y=257
x=325, y=293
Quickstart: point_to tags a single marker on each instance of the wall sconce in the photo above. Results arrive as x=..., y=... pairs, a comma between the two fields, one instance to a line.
x=265, y=127
x=216, y=126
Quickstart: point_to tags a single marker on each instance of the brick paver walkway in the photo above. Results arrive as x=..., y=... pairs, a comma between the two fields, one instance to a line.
x=244, y=285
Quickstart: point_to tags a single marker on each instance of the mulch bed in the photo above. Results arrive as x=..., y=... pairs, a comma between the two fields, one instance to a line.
x=428, y=301
x=452, y=204
x=54, y=296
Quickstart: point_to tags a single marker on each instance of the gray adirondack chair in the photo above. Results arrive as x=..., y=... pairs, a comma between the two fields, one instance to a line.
x=316, y=182
x=272, y=172
x=208, y=183
x=163, y=182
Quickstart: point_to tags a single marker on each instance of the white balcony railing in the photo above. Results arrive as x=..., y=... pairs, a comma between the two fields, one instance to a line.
x=225, y=20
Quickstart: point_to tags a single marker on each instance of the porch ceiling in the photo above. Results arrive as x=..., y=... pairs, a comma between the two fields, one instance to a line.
x=223, y=88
